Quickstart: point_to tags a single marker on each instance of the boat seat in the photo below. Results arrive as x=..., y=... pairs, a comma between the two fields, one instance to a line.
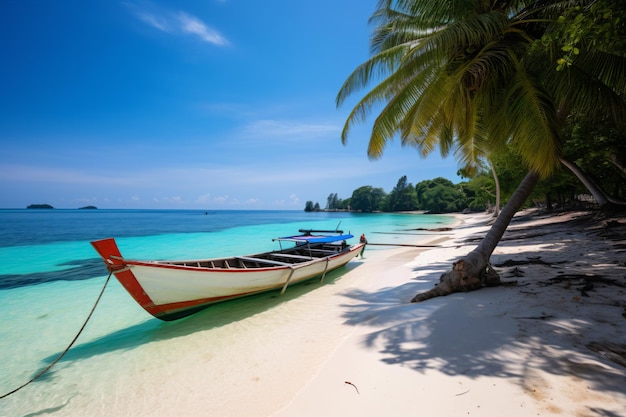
x=266, y=261
x=322, y=251
x=287, y=255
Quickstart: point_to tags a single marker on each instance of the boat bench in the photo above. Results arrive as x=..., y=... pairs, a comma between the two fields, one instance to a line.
x=260, y=260
x=287, y=255
x=330, y=252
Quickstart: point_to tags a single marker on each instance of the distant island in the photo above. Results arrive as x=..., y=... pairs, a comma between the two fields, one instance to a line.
x=40, y=206
x=48, y=206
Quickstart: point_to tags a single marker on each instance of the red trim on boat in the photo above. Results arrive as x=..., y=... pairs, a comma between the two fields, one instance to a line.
x=186, y=308
x=162, y=264
x=107, y=248
x=128, y=281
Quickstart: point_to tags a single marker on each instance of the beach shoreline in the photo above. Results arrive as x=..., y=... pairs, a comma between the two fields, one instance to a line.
x=355, y=345
x=534, y=348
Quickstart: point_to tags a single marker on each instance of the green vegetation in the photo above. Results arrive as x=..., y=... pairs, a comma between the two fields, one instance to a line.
x=492, y=81
x=436, y=196
x=309, y=206
x=600, y=158
x=440, y=196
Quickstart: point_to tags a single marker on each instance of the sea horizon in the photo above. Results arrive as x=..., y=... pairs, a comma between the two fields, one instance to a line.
x=86, y=208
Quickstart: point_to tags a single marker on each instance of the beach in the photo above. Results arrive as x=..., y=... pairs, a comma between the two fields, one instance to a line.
x=550, y=342
x=538, y=347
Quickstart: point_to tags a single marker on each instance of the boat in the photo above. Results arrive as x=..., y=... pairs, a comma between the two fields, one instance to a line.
x=171, y=290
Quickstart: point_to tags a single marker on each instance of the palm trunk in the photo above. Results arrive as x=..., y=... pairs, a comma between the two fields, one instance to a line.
x=595, y=191
x=473, y=271
x=496, y=212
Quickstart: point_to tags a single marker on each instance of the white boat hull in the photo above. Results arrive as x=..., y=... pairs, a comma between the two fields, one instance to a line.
x=171, y=291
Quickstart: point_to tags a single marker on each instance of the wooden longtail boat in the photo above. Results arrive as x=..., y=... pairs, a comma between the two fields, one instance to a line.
x=170, y=290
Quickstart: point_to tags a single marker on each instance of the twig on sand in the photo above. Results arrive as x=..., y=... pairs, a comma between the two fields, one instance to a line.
x=350, y=383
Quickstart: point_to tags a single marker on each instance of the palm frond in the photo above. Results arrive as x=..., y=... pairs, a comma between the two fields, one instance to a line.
x=528, y=116
x=377, y=67
x=471, y=76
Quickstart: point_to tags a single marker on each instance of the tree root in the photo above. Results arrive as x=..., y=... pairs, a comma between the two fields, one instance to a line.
x=460, y=279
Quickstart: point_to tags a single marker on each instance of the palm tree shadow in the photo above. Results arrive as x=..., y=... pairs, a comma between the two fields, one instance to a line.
x=439, y=334
x=472, y=334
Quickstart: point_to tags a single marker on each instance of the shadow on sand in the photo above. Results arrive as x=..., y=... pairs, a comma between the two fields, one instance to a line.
x=483, y=333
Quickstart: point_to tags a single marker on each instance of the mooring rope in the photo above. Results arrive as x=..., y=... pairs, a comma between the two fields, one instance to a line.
x=68, y=347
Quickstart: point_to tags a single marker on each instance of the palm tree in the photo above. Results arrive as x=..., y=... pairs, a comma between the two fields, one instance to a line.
x=455, y=73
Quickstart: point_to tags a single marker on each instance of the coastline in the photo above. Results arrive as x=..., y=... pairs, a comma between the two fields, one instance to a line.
x=535, y=348
x=357, y=346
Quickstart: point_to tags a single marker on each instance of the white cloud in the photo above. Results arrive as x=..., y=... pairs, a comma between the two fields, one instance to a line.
x=177, y=23
x=205, y=198
x=154, y=21
x=194, y=26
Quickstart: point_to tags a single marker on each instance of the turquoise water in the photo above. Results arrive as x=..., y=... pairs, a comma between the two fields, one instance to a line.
x=50, y=277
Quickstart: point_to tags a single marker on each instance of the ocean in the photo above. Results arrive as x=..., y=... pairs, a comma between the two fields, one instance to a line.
x=50, y=277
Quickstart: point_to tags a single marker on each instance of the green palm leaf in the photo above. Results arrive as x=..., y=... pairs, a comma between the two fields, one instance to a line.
x=472, y=76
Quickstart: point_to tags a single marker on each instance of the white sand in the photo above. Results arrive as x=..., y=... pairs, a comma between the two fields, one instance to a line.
x=484, y=353
x=506, y=351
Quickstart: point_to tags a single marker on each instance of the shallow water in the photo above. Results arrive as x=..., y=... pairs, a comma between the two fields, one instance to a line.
x=50, y=277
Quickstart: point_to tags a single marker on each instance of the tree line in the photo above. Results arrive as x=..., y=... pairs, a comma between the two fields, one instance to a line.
x=597, y=148
x=439, y=195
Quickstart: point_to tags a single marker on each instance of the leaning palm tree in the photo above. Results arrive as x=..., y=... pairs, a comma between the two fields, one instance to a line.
x=454, y=73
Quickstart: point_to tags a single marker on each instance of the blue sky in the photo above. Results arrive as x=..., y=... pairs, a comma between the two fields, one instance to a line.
x=212, y=104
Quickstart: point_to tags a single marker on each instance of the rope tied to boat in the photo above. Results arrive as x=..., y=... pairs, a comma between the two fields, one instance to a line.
x=112, y=268
x=47, y=368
